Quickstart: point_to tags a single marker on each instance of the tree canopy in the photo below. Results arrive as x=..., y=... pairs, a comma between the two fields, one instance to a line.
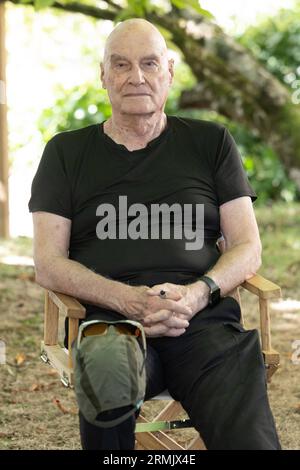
x=234, y=77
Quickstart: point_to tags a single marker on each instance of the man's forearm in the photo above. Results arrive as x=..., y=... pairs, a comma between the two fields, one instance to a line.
x=70, y=277
x=235, y=266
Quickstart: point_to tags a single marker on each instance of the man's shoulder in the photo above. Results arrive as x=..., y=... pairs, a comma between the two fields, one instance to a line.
x=75, y=136
x=197, y=125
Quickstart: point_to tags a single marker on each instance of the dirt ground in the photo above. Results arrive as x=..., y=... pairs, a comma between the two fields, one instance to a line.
x=38, y=412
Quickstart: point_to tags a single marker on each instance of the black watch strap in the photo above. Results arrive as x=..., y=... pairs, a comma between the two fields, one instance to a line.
x=214, y=295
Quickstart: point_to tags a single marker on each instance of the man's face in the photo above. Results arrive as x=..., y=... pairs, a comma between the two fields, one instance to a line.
x=137, y=72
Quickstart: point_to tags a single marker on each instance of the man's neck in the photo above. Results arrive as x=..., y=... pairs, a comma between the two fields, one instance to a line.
x=135, y=131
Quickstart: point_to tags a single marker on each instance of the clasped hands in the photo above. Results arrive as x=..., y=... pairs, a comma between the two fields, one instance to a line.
x=170, y=314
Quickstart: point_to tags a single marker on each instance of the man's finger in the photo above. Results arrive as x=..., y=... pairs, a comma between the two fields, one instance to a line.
x=174, y=332
x=168, y=295
x=156, y=330
x=161, y=330
x=173, y=294
x=166, y=315
x=171, y=322
x=175, y=322
x=160, y=316
x=177, y=307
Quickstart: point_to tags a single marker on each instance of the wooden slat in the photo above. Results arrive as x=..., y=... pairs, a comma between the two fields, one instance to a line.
x=150, y=442
x=68, y=305
x=50, y=321
x=270, y=372
x=72, y=334
x=58, y=358
x=171, y=411
x=197, y=444
x=156, y=441
x=272, y=361
x=265, y=324
x=271, y=356
x=262, y=287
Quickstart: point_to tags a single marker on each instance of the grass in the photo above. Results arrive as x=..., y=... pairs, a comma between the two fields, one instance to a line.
x=279, y=227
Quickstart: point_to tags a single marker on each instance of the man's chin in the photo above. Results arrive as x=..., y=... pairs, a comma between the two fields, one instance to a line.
x=143, y=106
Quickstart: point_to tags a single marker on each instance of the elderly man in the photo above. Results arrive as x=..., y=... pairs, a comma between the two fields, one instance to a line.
x=196, y=346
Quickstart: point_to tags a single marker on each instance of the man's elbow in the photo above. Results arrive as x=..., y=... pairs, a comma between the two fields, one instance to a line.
x=41, y=279
x=258, y=262
x=259, y=254
x=42, y=274
x=255, y=259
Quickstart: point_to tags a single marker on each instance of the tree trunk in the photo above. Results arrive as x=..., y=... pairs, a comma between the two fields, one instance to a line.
x=4, y=222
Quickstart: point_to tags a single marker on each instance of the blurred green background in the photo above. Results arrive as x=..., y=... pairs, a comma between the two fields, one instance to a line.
x=238, y=65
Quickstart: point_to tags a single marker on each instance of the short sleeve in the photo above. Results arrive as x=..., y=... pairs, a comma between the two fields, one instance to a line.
x=50, y=189
x=229, y=174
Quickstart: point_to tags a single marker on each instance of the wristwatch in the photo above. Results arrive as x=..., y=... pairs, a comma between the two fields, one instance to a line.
x=214, y=294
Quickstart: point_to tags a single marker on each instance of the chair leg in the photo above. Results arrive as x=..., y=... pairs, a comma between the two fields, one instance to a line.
x=265, y=324
x=72, y=334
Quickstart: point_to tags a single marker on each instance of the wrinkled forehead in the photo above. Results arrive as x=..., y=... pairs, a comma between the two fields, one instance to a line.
x=135, y=43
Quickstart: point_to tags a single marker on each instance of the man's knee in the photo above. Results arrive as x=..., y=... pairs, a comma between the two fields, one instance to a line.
x=109, y=374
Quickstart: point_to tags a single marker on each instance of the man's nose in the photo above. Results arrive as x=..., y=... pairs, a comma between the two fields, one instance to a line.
x=136, y=76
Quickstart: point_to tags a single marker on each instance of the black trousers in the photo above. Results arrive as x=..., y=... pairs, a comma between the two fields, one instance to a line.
x=216, y=371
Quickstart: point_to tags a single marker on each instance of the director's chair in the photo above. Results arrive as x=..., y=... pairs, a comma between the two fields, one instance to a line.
x=149, y=435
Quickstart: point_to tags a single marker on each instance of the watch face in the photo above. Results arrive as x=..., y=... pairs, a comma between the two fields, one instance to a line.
x=215, y=296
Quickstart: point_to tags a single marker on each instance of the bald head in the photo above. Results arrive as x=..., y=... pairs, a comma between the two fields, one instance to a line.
x=136, y=70
x=137, y=31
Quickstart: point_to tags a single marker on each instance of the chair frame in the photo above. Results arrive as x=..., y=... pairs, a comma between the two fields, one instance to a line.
x=149, y=434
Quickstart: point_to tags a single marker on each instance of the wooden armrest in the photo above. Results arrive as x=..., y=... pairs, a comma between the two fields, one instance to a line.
x=265, y=290
x=68, y=305
x=56, y=304
x=262, y=287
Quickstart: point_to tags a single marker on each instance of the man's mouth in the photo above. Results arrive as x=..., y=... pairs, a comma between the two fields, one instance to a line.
x=137, y=94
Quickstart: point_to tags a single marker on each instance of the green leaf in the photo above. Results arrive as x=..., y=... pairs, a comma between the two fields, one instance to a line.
x=179, y=4
x=193, y=5
x=40, y=4
x=137, y=7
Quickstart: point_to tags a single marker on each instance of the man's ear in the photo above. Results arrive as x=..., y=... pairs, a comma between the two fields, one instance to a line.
x=171, y=69
x=102, y=75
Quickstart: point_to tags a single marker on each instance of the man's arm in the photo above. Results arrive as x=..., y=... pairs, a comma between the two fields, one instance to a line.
x=55, y=271
x=242, y=256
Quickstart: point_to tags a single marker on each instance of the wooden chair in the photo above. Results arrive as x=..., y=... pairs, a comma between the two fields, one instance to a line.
x=150, y=435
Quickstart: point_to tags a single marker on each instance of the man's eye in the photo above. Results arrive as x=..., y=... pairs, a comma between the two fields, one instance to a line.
x=151, y=63
x=121, y=65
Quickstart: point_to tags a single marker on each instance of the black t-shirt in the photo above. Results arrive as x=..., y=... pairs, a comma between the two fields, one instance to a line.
x=190, y=162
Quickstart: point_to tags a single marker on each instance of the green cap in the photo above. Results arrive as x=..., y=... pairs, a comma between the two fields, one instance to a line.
x=109, y=371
